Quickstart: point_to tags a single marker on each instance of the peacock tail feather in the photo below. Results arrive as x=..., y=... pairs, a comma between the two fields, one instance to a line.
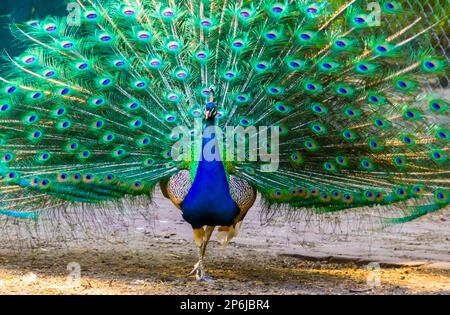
x=87, y=112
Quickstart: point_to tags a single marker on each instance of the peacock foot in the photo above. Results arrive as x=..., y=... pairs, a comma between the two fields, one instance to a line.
x=200, y=274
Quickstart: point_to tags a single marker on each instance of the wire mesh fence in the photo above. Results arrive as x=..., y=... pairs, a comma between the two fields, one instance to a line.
x=434, y=11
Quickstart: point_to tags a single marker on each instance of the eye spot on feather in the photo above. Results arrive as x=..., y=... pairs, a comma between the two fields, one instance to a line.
x=143, y=35
x=429, y=64
x=379, y=122
x=82, y=66
x=50, y=27
x=229, y=75
x=106, y=82
x=381, y=49
x=389, y=5
x=281, y=108
x=359, y=20
x=168, y=12
x=105, y=38
x=277, y=8
x=64, y=91
x=238, y=44
x=317, y=109
x=34, y=24
x=244, y=14
x=133, y=105
x=170, y=118
x=436, y=106
x=261, y=66
x=275, y=90
x=49, y=73
x=329, y=166
x=442, y=135
x=173, y=46
x=140, y=84
x=402, y=84
x=201, y=55
x=67, y=45
x=30, y=59
x=11, y=90
x=7, y=157
x=98, y=101
x=206, y=23
x=305, y=36
x=437, y=155
x=245, y=122
x=119, y=63
x=91, y=15
x=342, y=90
x=155, y=63
x=128, y=11
x=400, y=161
x=271, y=35
x=363, y=67
x=407, y=140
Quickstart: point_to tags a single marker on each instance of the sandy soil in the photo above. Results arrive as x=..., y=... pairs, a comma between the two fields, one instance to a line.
x=308, y=255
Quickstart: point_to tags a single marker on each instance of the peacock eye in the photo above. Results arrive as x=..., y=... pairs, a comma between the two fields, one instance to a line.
x=305, y=36
x=359, y=20
x=91, y=16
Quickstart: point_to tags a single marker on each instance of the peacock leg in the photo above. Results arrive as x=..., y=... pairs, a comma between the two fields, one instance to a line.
x=202, y=237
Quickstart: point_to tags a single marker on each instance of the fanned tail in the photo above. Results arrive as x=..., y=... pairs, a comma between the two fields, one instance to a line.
x=87, y=112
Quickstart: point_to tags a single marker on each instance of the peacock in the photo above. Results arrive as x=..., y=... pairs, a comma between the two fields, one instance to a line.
x=315, y=106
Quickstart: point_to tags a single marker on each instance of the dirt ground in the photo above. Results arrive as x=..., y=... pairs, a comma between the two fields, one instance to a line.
x=346, y=254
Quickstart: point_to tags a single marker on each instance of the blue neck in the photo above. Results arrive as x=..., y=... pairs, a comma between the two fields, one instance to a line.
x=211, y=161
x=208, y=201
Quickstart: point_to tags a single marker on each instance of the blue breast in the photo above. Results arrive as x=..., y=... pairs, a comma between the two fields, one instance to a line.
x=208, y=201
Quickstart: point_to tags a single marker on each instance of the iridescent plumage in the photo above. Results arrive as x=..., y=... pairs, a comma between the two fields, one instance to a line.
x=88, y=111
